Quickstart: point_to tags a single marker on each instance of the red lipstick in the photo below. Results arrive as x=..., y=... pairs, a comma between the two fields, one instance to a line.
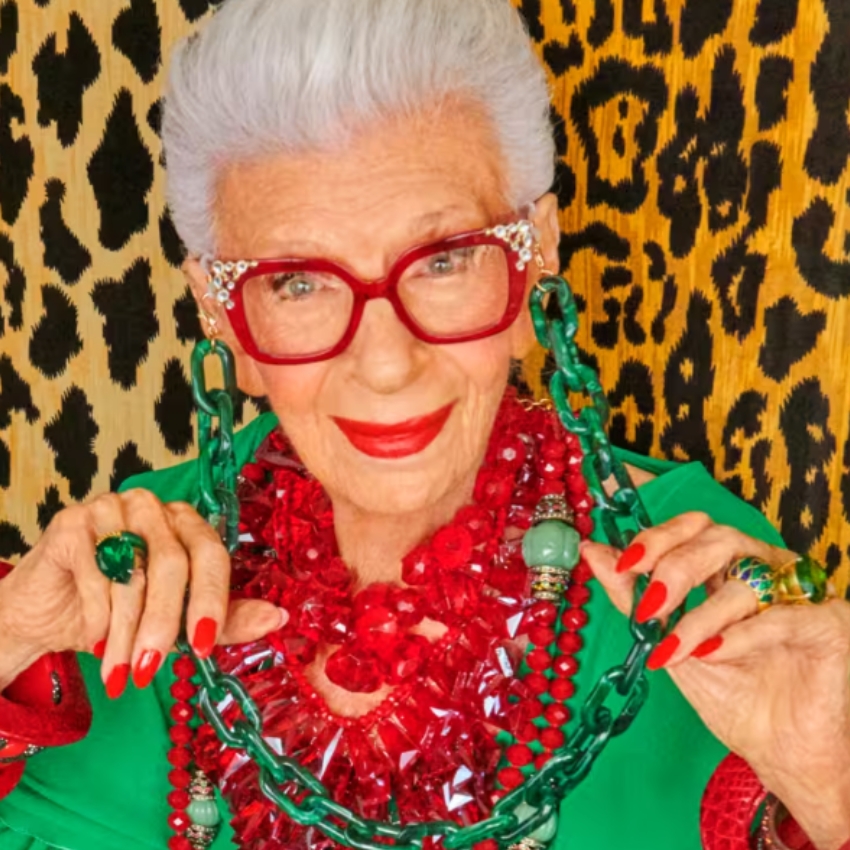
x=394, y=441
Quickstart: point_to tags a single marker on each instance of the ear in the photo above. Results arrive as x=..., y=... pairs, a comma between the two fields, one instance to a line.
x=545, y=219
x=247, y=375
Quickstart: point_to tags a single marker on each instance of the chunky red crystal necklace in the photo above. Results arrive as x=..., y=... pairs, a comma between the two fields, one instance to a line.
x=468, y=715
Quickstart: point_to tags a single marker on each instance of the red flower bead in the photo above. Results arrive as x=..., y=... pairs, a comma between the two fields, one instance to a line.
x=574, y=619
x=536, y=683
x=452, y=546
x=565, y=666
x=179, y=799
x=510, y=777
x=519, y=755
x=561, y=689
x=556, y=714
x=539, y=660
x=552, y=738
x=569, y=642
x=541, y=635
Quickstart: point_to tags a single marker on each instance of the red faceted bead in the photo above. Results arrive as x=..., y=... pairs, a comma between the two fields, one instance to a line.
x=184, y=668
x=541, y=760
x=581, y=573
x=565, y=666
x=180, y=778
x=376, y=628
x=519, y=755
x=541, y=614
x=569, y=642
x=552, y=469
x=179, y=799
x=539, y=660
x=552, y=738
x=180, y=734
x=179, y=757
x=418, y=567
x=574, y=619
x=556, y=714
x=407, y=658
x=561, y=689
x=452, y=546
x=552, y=487
x=578, y=594
x=179, y=821
x=179, y=842
x=183, y=690
x=541, y=635
x=510, y=777
x=477, y=521
x=493, y=488
x=576, y=484
x=536, y=683
x=354, y=671
x=374, y=596
x=489, y=844
x=527, y=733
x=182, y=712
x=583, y=524
x=553, y=450
x=409, y=607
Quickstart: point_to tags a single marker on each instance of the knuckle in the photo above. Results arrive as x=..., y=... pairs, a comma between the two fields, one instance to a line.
x=140, y=499
x=70, y=519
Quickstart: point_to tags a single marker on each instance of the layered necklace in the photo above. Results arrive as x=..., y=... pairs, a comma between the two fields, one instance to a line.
x=466, y=716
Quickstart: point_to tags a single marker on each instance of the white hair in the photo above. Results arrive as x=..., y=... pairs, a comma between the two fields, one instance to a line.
x=268, y=76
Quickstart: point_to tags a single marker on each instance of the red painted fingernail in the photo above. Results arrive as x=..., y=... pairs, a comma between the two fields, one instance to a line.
x=117, y=680
x=204, y=639
x=99, y=650
x=707, y=647
x=651, y=601
x=631, y=557
x=146, y=668
x=663, y=652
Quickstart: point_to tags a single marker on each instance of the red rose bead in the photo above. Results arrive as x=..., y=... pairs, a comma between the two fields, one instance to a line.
x=565, y=666
x=536, y=683
x=552, y=738
x=539, y=660
x=510, y=777
x=179, y=757
x=179, y=799
x=561, y=689
x=541, y=635
x=180, y=778
x=452, y=546
x=574, y=619
x=569, y=642
x=182, y=712
x=556, y=714
x=179, y=821
x=519, y=755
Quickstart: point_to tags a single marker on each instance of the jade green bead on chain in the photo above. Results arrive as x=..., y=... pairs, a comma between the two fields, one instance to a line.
x=551, y=544
x=204, y=813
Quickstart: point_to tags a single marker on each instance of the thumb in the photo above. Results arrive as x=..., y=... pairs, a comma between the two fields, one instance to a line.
x=251, y=619
x=602, y=560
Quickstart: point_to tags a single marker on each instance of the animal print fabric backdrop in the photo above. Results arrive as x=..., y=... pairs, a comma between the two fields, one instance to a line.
x=703, y=179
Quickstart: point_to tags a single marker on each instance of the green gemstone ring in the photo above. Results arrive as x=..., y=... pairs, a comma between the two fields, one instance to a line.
x=799, y=582
x=118, y=554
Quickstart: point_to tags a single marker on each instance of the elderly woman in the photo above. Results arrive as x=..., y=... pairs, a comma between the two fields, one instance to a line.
x=359, y=164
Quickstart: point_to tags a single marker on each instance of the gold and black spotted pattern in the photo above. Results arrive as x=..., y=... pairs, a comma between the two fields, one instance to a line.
x=703, y=181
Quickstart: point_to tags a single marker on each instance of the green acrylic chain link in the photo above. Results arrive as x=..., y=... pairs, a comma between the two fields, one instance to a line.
x=608, y=710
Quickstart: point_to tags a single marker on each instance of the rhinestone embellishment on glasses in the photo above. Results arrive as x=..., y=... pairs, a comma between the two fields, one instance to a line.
x=223, y=279
x=520, y=236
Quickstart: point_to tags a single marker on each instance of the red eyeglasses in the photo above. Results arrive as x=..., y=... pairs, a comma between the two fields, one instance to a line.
x=463, y=288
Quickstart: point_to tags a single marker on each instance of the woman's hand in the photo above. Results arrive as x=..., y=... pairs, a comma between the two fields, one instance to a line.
x=56, y=598
x=774, y=688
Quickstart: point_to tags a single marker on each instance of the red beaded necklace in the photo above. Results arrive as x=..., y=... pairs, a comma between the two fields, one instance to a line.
x=468, y=715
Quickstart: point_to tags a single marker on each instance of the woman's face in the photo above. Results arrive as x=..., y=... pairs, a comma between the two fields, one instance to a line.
x=406, y=182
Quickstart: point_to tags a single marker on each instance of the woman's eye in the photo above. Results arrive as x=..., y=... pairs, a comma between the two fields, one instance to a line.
x=449, y=262
x=292, y=288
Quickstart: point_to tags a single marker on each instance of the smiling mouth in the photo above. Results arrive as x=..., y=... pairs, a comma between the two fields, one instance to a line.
x=401, y=439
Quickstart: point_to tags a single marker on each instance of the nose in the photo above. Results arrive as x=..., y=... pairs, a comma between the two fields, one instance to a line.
x=384, y=356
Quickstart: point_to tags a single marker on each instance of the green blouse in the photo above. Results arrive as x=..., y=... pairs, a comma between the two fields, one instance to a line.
x=108, y=792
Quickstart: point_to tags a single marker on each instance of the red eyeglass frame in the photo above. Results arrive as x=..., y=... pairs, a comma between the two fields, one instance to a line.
x=233, y=275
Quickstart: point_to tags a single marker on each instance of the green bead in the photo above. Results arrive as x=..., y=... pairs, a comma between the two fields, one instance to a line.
x=543, y=834
x=551, y=544
x=116, y=555
x=203, y=813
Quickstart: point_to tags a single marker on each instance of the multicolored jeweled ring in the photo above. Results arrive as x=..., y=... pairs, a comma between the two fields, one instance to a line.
x=118, y=554
x=798, y=582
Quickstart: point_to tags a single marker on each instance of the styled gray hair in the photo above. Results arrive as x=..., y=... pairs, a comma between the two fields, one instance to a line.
x=269, y=76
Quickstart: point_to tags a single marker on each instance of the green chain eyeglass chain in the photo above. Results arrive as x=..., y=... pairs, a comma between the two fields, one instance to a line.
x=527, y=815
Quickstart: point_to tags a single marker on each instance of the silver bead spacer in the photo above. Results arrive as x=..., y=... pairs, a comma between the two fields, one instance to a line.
x=553, y=507
x=549, y=584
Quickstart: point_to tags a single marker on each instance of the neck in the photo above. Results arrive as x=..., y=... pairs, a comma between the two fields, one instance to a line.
x=373, y=545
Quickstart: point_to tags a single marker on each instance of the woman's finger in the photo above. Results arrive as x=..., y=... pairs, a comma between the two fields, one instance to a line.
x=251, y=619
x=698, y=632
x=650, y=545
x=691, y=564
x=602, y=560
x=167, y=575
x=128, y=602
x=209, y=577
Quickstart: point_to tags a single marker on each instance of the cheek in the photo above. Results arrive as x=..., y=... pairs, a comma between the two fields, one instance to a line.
x=485, y=364
x=293, y=391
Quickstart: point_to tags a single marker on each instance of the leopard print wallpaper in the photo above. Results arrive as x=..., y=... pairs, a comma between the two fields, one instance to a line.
x=703, y=180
